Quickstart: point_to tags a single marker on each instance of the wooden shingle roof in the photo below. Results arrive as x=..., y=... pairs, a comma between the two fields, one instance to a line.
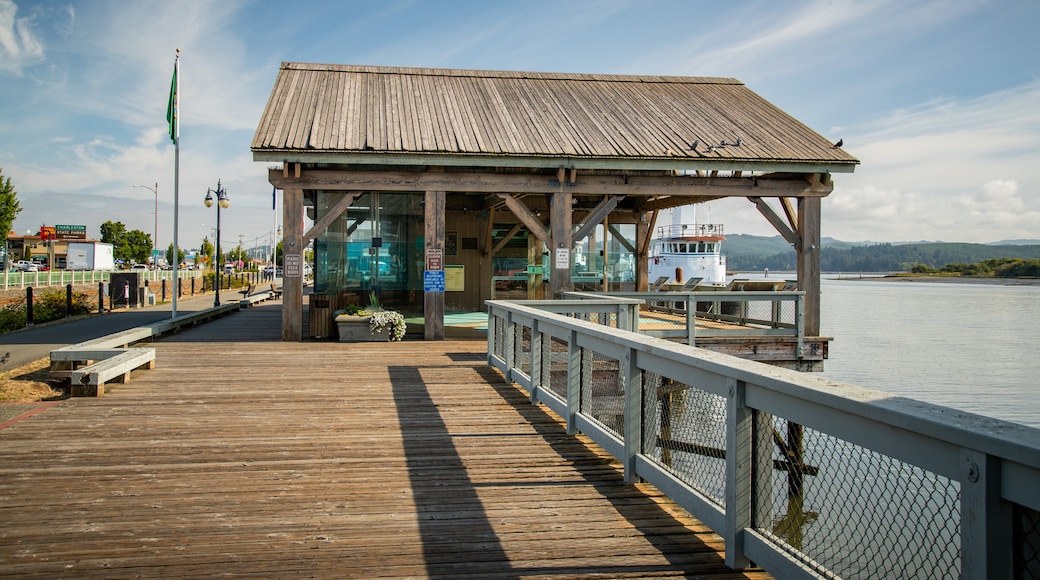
x=356, y=114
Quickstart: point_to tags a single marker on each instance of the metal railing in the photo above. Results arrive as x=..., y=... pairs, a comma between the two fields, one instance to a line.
x=675, y=314
x=76, y=277
x=801, y=475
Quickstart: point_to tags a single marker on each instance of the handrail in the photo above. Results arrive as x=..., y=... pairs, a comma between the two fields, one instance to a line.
x=785, y=466
x=779, y=322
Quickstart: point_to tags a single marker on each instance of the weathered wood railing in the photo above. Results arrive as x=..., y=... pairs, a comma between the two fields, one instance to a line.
x=780, y=313
x=804, y=476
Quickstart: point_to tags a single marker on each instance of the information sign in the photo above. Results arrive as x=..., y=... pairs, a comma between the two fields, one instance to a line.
x=563, y=259
x=434, y=259
x=433, y=281
x=293, y=265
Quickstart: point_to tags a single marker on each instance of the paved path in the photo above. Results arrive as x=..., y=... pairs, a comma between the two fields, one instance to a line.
x=32, y=344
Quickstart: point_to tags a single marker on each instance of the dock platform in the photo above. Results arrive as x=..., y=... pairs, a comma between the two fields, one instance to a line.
x=241, y=454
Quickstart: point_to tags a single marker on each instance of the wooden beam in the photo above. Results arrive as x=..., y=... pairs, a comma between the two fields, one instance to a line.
x=597, y=215
x=772, y=185
x=509, y=235
x=489, y=233
x=534, y=225
x=334, y=212
x=789, y=211
x=777, y=221
x=670, y=201
x=621, y=238
x=644, y=233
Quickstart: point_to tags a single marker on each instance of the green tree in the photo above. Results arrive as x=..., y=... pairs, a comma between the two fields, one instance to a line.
x=205, y=255
x=129, y=246
x=113, y=232
x=238, y=254
x=137, y=246
x=9, y=206
x=169, y=255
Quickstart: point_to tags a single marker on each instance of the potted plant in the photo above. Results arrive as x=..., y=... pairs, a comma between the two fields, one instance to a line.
x=372, y=324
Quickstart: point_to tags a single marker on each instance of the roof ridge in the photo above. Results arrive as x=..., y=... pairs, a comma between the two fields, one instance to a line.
x=474, y=73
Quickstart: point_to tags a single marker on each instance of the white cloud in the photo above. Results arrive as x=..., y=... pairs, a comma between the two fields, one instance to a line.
x=19, y=46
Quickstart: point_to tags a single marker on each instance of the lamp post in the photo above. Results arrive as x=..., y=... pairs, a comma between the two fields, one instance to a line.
x=155, y=232
x=222, y=202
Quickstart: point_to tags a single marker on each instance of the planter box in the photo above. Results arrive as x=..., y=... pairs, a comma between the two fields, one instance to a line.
x=355, y=329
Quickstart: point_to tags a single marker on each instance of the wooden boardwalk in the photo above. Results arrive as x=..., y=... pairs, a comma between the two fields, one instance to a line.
x=240, y=454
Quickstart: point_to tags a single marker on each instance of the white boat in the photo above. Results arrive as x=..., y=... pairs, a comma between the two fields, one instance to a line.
x=682, y=253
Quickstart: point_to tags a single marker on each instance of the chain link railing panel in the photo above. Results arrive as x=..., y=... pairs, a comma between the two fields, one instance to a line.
x=1026, y=544
x=603, y=390
x=856, y=513
x=684, y=430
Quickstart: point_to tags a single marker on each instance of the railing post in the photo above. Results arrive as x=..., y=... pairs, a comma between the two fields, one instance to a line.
x=68, y=301
x=799, y=316
x=986, y=523
x=101, y=297
x=536, y=361
x=739, y=475
x=573, y=382
x=691, y=319
x=29, y=321
x=508, y=349
x=633, y=415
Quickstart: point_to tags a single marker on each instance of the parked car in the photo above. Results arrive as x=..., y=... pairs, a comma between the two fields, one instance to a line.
x=26, y=266
x=139, y=268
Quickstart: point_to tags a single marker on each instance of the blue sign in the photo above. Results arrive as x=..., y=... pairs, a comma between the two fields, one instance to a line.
x=433, y=280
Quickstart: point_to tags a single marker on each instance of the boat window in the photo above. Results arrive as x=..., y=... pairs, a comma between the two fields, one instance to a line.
x=709, y=247
x=682, y=248
x=700, y=247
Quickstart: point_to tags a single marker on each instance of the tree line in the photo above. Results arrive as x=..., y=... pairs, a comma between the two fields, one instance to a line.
x=886, y=257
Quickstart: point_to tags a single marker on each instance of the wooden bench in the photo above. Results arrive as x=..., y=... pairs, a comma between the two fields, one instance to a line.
x=247, y=291
x=89, y=381
x=276, y=291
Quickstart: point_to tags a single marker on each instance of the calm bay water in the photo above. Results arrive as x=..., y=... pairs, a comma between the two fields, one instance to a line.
x=968, y=346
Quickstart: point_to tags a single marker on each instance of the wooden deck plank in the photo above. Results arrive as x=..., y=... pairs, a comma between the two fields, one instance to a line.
x=243, y=454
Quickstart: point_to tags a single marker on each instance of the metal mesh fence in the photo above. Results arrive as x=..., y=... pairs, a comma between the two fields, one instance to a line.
x=554, y=365
x=522, y=355
x=684, y=430
x=1026, y=563
x=602, y=390
x=669, y=313
x=854, y=512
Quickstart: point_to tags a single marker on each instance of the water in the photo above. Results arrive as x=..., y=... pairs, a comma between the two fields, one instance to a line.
x=967, y=346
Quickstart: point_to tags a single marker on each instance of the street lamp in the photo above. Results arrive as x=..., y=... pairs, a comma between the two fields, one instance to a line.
x=155, y=232
x=222, y=202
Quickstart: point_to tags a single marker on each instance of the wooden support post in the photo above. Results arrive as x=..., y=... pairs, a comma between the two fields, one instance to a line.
x=808, y=251
x=644, y=232
x=433, y=302
x=561, y=248
x=534, y=258
x=292, y=246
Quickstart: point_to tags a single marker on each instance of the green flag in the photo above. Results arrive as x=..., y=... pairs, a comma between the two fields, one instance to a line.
x=171, y=109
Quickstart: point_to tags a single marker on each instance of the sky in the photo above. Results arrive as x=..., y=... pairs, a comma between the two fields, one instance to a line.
x=938, y=99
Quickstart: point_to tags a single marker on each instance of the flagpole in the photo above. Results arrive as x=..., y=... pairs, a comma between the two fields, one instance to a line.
x=175, y=129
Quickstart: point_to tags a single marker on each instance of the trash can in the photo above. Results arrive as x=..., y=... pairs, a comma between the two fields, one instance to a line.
x=319, y=310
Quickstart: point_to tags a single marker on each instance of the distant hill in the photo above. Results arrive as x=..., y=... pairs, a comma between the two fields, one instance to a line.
x=745, y=252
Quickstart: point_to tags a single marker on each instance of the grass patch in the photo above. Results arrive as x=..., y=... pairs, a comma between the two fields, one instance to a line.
x=29, y=384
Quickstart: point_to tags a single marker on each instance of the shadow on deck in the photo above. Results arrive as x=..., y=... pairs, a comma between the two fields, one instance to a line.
x=242, y=454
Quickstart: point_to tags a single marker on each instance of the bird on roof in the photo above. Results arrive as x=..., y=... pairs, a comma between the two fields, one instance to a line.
x=693, y=146
x=839, y=143
x=5, y=358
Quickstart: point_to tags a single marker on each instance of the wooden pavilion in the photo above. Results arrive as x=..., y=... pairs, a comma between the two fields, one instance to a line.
x=422, y=183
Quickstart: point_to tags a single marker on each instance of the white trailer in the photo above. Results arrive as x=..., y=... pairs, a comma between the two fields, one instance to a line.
x=90, y=256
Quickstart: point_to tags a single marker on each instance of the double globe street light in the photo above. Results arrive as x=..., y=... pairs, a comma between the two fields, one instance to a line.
x=222, y=202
